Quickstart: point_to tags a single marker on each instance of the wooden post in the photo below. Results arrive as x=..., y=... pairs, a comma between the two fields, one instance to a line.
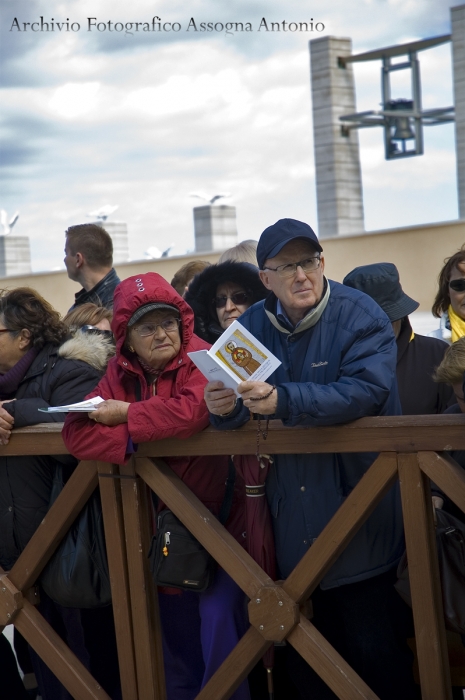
x=54, y=526
x=235, y=668
x=229, y=554
x=329, y=665
x=342, y=527
x=144, y=599
x=425, y=584
x=445, y=473
x=58, y=657
x=110, y=494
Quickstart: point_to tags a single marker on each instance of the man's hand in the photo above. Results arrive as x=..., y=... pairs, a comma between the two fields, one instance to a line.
x=220, y=400
x=438, y=502
x=6, y=424
x=111, y=412
x=256, y=390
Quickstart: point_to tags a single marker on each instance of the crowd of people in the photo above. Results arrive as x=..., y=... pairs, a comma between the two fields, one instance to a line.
x=347, y=350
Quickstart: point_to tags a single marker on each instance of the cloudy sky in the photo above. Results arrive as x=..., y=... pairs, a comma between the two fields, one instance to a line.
x=142, y=119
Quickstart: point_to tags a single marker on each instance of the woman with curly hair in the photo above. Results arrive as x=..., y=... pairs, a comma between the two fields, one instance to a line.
x=449, y=304
x=36, y=373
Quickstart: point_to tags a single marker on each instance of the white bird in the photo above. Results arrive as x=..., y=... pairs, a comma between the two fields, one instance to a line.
x=168, y=250
x=153, y=253
x=104, y=212
x=7, y=225
x=209, y=199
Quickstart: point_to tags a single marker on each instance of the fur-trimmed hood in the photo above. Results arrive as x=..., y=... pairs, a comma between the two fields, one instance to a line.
x=92, y=348
x=202, y=291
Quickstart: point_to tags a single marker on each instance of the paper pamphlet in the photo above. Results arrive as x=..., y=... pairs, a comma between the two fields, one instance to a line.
x=237, y=356
x=82, y=406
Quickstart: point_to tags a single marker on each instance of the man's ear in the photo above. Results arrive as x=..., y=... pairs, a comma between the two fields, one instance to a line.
x=265, y=278
x=322, y=263
x=80, y=260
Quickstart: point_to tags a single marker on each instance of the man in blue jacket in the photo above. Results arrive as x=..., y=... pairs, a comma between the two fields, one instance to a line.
x=338, y=354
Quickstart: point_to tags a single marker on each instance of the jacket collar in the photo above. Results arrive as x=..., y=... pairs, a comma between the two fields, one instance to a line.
x=83, y=296
x=311, y=319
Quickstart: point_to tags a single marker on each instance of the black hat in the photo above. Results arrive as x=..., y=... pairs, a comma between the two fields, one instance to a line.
x=151, y=306
x=381, y=282
x=275, y=237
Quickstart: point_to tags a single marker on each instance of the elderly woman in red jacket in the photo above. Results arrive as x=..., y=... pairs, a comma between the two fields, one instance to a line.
x=153, y=391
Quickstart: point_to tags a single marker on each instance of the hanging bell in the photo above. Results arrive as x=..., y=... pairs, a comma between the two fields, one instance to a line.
x=403, y=129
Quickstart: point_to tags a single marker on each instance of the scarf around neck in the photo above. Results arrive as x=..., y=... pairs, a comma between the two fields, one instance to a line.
x=10, y=381
x=457, y=324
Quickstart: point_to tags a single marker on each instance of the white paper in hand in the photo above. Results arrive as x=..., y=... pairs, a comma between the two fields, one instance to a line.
x=82, y=406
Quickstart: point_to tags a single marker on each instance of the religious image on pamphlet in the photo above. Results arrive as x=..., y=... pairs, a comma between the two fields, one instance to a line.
x=237, y=356
x=81, y=407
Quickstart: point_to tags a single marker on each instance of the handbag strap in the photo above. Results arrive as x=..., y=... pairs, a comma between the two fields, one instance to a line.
x=228, y=494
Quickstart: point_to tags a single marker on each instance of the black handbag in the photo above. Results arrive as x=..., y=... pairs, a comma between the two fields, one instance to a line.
x=450, y=542
x=176, y=557
x=77, y=574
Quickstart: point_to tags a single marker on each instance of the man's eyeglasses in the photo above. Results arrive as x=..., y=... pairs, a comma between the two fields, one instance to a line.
x=289, y=270
x=238, y=299
x=93, y=330
x=457, y=285
x=169, y=325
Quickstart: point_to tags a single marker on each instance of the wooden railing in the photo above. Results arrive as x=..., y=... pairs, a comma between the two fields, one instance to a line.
x=410, y=449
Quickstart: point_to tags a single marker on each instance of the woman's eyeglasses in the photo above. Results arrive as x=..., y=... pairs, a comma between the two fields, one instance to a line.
x=93, y=330
x=457, y=285
x=238, y=299
x=169, y=325
x=289, y=270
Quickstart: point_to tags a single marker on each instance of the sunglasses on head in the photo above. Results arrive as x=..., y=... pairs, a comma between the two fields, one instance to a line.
x=238, y=298
x=457, y=285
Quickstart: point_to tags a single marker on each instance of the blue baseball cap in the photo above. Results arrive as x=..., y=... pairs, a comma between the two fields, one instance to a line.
x=275, y=237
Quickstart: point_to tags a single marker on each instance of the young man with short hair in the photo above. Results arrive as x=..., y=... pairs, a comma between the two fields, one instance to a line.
x=89, y=261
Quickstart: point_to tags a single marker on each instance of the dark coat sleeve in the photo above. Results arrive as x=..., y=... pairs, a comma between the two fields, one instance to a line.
x=70, y=382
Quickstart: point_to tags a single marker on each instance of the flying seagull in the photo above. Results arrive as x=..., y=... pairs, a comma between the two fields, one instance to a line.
x=207, y=198
x=103, y=213
x=7, y=225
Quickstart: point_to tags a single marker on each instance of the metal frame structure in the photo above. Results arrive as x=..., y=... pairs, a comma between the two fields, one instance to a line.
x=402, y=119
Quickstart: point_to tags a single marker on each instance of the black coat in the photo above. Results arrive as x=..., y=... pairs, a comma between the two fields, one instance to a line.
x=202, y=291
x=417, y=359
x=26, y=482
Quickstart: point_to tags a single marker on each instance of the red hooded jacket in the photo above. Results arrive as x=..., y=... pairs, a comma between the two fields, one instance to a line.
x=177, y=410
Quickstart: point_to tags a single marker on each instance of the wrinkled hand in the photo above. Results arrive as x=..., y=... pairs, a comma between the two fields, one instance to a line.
x=219, y=399
x=438, y=502
x=6, y=424
x=254, y=390
x=111, y=412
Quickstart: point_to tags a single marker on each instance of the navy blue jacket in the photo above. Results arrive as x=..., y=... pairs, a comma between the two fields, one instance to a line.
x=340, y=369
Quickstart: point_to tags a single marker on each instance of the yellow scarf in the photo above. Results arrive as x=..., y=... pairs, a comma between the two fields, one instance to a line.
x=457, y=325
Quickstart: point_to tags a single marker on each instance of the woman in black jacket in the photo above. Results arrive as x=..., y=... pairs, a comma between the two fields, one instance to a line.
x=220, y=294
x=38, y=369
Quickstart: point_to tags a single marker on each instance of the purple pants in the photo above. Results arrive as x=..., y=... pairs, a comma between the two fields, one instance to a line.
x=199, y=632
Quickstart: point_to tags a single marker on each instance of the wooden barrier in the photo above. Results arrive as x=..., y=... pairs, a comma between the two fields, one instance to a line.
x=410, y=449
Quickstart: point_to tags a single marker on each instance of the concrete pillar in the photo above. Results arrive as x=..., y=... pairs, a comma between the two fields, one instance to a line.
x=458, y=57
x=118, y=231
x=337, y=158
x=215, y=227
x=15, y=256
